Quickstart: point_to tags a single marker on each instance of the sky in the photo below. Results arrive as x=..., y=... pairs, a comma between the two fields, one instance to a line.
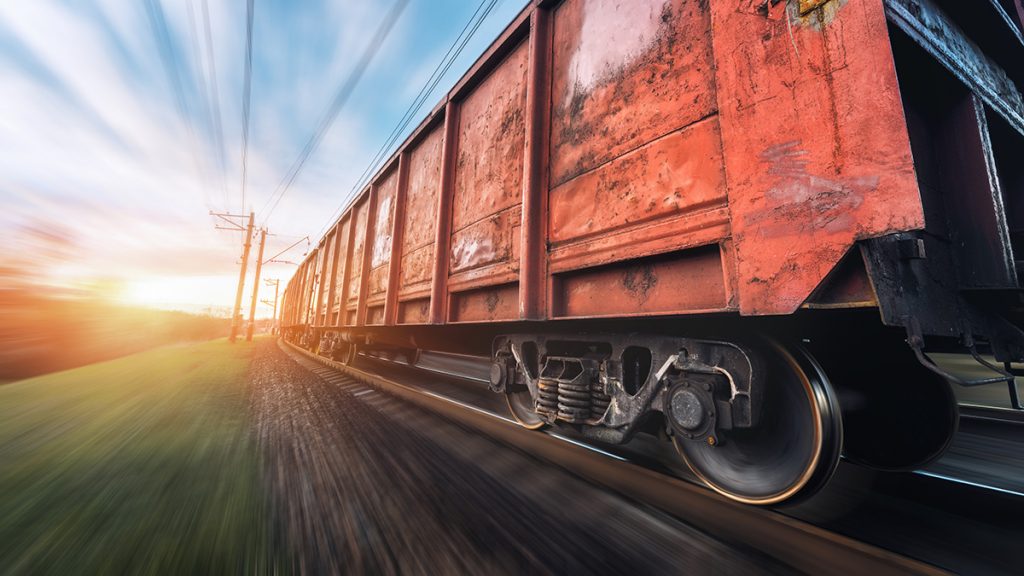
x=121, y=130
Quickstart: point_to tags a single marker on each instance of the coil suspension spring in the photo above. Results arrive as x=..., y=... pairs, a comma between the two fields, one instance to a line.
x=571, y=391
x=547, y=397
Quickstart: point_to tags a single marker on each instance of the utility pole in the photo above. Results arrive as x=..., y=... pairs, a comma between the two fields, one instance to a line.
x=256, y=287
x=276, y=283
x=236, y=315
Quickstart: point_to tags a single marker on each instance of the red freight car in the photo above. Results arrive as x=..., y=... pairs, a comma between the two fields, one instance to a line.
x=711, y=217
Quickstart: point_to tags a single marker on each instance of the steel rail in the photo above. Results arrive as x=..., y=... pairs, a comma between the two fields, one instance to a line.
x=820, y=551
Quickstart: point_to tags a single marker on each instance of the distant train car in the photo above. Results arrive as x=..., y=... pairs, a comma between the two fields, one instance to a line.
x=733, y=223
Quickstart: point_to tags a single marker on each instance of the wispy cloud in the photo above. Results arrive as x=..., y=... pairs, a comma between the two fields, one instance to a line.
x=96, y=148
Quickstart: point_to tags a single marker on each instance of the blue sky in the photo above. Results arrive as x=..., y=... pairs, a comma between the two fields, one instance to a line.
x=107, y=176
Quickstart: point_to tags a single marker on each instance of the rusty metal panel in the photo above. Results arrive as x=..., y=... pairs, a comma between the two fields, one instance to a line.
x=340, y=275
x=383, y=221
x=636, y=151
x=417, y=267
x=624, y=74
x=397, y=239
x=332, y=292
x=689, y=230
x=333, y=240
x=300, y=275
x=688, y=282
x=414, y=311
x=424, y=183
x=355, y=263
x=378, y=283
x=309, y=287
x=487, y=241
x=813, y=161
x=488, y=169
x=364, y=278
x=375, y=315
x=847, y=286
x=327, y=267
x=420, y=219
x=486, y=304
x=680, y=172
x=383, y=230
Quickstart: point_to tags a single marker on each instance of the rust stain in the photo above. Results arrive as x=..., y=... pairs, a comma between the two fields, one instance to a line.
x=678, y=173
x=625, y=73
x=421, y=197
x=358, y=245
x=416, y=265
x=804, y=13
x=808, y=5
x=493, y=299
x=816, y=14
x=639, y=281
x=384, y=220
x=339, y=277
x=492, y=137
x=491, y=303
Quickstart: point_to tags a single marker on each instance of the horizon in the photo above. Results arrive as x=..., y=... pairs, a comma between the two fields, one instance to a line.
x=121, y=134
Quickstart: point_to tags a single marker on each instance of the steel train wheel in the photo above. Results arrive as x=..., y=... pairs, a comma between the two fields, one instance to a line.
x=520, y=404
x=897, y=415
x=792, y=452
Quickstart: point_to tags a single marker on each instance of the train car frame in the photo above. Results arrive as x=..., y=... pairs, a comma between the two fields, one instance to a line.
x=735, y=224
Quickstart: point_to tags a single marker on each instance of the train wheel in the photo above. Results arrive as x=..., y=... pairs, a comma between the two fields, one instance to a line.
x=897, y=415
x=520, y=404
x=794, y=449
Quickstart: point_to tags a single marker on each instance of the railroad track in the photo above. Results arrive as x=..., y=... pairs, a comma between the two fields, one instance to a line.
x=795, y=543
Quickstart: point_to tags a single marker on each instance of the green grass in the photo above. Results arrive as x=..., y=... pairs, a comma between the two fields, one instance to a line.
x=143, y=464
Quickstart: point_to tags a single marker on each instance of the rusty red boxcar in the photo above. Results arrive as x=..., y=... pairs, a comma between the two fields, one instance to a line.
x=707, y=220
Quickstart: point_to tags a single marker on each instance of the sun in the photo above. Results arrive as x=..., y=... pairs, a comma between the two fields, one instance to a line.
x=186, y=293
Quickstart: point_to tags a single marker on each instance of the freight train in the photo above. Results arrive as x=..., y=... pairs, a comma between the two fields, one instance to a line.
x=741, y=225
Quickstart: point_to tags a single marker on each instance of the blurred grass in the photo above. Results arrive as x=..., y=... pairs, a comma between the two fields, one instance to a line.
x=41, y=333
x=144, y=464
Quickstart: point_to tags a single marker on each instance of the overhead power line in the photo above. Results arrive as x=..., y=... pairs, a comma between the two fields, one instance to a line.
x=218, y=126
x=250, y=9
x=481, y=13
x=331, y=113
x=197, y=63
x=165, y=48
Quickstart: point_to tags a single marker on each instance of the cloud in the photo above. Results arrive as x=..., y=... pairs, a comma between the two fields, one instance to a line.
x=94, y=149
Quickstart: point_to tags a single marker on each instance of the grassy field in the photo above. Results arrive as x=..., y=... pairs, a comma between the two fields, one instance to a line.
x=143, y=464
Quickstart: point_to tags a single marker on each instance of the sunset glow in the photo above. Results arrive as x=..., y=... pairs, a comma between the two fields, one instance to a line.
x=122, y=130
x=199, y=294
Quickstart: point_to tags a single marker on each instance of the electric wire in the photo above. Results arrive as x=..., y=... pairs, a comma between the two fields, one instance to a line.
x=247, y=94
x=214, y=97
x=458, y=45
x=340, y=98
x=197, y=64
x=420, y=97
x=161, y=32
